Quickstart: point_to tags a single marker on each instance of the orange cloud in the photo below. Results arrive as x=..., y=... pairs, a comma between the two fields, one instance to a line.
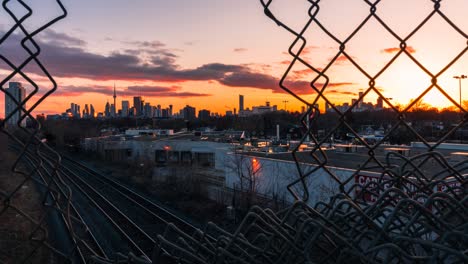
x=305, y=51
x=341, y=59
x=409, y=49
x=308, y=50
x=334, y=91
x=240, y=50
x=302, y=73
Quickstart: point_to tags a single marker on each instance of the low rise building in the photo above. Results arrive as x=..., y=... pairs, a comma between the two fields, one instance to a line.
x=228, y=168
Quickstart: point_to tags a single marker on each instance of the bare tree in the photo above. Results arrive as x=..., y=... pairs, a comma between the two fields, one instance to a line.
x=277, y=189
x=247, y=170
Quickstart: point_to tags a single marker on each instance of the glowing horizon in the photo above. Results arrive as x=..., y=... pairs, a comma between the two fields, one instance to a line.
x=207, y=57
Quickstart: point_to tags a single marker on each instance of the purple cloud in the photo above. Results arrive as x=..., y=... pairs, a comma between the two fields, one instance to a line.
x=147, y=91
x=146, y=61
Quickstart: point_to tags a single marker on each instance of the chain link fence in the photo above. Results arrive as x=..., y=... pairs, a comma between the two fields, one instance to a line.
x=415, y=211
x=31, y=198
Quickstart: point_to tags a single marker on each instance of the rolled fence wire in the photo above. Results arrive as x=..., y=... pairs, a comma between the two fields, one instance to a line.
x=409, y=214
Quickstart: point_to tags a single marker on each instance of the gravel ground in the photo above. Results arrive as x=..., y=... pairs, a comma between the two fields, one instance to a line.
x=17, y=228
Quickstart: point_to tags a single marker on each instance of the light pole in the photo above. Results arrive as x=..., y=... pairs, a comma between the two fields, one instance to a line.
x=285, y=102
x=460, y=78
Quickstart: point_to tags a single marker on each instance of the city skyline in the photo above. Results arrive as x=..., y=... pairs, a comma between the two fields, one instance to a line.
x=205, y=53
x=141, y=108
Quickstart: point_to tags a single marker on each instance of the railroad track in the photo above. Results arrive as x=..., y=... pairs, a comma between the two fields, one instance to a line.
x=85, y=241
x=158, y=212
x=113, y=217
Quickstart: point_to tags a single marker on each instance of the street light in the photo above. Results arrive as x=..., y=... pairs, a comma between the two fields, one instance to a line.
x=460, y=78
x=285, y=102
x=460, y=87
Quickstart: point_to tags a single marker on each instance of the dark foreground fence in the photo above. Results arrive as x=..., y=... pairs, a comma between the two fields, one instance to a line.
x=26, y=214
x=409, y=214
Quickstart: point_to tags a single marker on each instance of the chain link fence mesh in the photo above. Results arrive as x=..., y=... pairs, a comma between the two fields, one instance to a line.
x=414, y=211
x=30, y=199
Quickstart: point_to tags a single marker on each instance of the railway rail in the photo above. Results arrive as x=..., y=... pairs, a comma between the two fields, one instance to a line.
x=100, y=203
x=157, y=212
x=87, y=244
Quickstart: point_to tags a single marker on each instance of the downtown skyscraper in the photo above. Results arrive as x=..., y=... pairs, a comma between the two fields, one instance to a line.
x=17, y=95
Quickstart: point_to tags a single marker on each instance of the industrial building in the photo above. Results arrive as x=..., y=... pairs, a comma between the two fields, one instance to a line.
x=221, y=164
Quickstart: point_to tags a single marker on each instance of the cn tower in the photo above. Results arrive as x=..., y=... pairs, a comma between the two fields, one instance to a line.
x=115, y=103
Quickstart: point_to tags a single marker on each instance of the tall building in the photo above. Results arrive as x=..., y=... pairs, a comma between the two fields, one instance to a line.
x=170, y=110
x=147, y=110
x=241, y=103
x=359, y=105
x=138, y=104
x=379, y=103
x=92, y=113
x=204, y=115
x=114, y=110
x=158, y=111
x=107, y=110
x=165, y=113
x=125, y=108
x=86, y=111
x=73, y=108
x=189, y=113
x=17, y=91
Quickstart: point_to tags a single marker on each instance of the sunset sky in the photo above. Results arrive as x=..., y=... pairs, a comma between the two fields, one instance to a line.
x=205, y=53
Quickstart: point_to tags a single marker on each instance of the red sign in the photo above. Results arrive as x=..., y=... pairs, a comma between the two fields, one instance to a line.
x=452, y=183
x=364, y=180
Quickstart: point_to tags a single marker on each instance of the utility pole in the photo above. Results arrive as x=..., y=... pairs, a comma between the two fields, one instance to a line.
x=308, y=122
x=285, y=103
x=460, y=78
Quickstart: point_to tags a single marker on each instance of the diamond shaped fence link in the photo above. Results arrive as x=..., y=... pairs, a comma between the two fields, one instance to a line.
x=27, y=227
x=415, y=215
x=409, y=215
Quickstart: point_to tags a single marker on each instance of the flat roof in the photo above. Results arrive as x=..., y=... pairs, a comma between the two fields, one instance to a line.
x=355, y=160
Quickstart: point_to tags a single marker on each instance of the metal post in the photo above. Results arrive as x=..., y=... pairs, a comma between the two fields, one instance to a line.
x=308, y=123
x=462, y=76
x=3, y=146
x=285, y=103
